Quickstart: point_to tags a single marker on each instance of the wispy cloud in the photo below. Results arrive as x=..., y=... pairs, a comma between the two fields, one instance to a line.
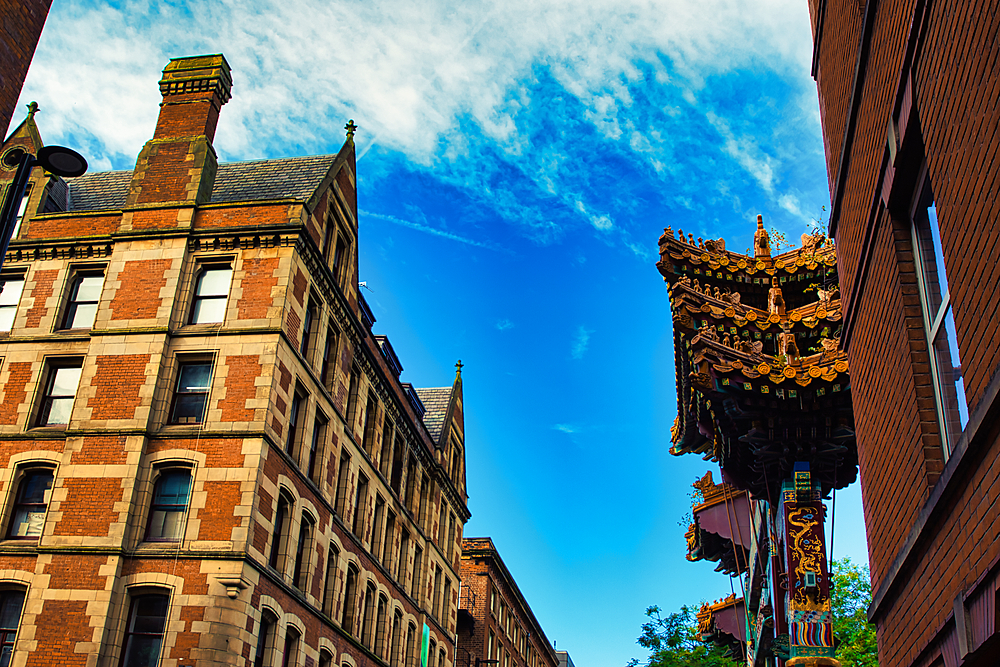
x=428, y=230
x=566, y=428
x=504, y=324
x=581, y=340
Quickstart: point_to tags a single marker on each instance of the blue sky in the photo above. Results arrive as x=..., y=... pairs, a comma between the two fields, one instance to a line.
x=517, y=163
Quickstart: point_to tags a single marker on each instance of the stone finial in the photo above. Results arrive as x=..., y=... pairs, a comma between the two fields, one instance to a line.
x=351, y=128
x=32, y=109
x=761, y=240
x=458, y=367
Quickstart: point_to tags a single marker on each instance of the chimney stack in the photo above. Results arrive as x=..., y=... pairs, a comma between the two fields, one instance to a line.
x=177, y=166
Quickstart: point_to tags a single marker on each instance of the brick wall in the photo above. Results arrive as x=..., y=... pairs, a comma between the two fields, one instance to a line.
x=20, y=26
x=946, y=508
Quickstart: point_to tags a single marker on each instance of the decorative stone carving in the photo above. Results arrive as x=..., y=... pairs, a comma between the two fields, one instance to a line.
x=826, y=296
x=787, y=345
x=775, y=302
x=761, y=241
x=812, y=242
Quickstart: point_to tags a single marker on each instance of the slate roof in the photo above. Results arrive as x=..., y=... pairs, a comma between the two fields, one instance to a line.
x=255, y=180
x=436, y=401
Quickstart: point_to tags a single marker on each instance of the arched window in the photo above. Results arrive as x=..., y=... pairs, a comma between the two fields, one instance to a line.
x=290, y=658
x=169, y=506
x=265, y=639
x=411, y=635
x=330, y=583
x=30, y=504
x=368, y=617
x=432, y=654
x=279, y=540
x=147, y=619
x=211, y=293
x=325, y=658
x=397, y=628
x=303, y=549
x=350, y=599
x=380, y=620
x=11, y=604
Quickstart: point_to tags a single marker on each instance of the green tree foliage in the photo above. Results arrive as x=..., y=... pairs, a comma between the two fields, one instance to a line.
x=673, y=642
x=852, y=593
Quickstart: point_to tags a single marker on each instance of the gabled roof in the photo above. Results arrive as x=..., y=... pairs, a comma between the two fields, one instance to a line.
x=435, y=400
x=255, y=180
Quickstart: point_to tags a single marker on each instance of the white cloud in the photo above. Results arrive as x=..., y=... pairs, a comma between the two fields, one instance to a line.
x=566, y=428
x=581, y=340
x=427, y=229
x=504, y=324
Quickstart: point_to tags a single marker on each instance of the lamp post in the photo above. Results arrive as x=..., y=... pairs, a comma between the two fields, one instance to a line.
x=56, y=160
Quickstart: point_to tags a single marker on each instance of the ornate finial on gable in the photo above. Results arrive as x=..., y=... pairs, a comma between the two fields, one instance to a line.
x=351, y=128
x=32, y=109
x=458, y=369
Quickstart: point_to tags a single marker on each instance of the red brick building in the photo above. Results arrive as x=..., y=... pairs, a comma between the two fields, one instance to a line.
x=207, y=457
x=21, y=24
x=496, y=624
x=908, y=96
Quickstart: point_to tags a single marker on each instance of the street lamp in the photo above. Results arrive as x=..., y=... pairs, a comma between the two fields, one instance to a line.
x=56, y=160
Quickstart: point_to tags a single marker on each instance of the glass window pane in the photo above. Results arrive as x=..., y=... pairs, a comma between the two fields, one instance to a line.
x=59, y=411
x=10, y=609
x=209, y=310
x=81, y=315
x=36, y=487
x=214, y=282
x=65, y=382
x=194, y=377
x=933, y=276
x=88, y=288
x=189, y=408
x=28, y=522
x=952, y=386
x=10, y=291
x=172, y=488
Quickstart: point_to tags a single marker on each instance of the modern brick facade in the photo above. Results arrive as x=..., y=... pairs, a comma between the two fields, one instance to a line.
x=206, y=457
x=21, y=24
x=496, y=624
x=908, y=95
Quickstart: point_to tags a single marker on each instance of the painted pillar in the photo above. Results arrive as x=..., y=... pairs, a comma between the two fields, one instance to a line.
x=807, y=600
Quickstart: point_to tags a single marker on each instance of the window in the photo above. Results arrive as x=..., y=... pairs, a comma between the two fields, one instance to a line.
x=422, y=511
x=339, y=254
x=385, y=458
x=431, y=653
x=291, y=656
x=330, y=583
x=360, y=505
x=404, y=554
x=350, y=599
x=450, y=547
x=441, y=521
x=939, y=321
x=300, y=577
x=378, y=514
x=442, y=657
x=170, y=502
x=415, y=592
x=84, y=295
x=147, y=619
x=11, y=604
x=411, y=480
x=397, y=628
x=10, y=295
x=308, y=328
x=279, y=540
x=445, y=602
x=293, y=422
x=60, y=391
x=380, y=621
x=387, y=544
x=352, y=400
x=342, y=472
x=397, y=467
x=20, y=215
x=411, y=633
x=211, y=292
x=328, y=369
x=265, y=639
x=436, y=601
x=194, y=379
x=30, y=504
x=368, y=437
x=316, y=448
x=325, y=659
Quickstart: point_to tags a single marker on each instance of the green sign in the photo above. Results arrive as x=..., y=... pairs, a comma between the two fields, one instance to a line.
x=425, y=644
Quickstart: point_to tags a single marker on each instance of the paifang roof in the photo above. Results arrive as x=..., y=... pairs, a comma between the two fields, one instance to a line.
x=436, y=401
x=255, y=180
